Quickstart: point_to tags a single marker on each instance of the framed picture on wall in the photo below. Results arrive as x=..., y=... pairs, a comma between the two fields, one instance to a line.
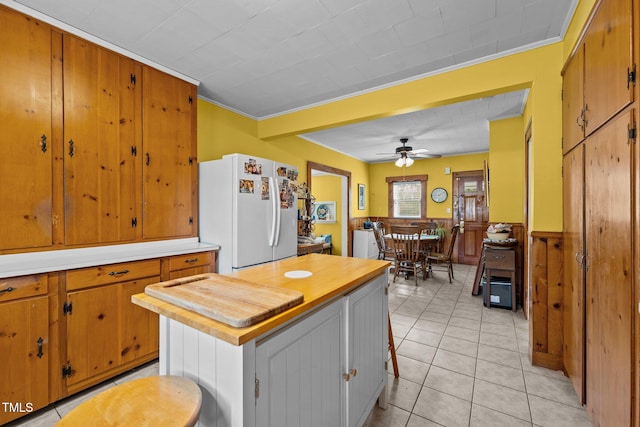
x=361, y=197
x=325, y=212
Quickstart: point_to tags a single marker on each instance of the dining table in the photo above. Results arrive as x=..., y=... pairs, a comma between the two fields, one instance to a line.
x=427, y=241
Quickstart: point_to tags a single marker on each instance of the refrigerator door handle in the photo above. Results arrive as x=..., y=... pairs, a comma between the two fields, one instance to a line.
x=278, y=210
x=274, y=202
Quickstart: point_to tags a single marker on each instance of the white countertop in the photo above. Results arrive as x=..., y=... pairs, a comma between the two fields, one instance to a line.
x=66, y=259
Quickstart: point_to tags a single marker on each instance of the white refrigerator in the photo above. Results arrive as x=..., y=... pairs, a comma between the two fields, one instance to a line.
x=248, y=206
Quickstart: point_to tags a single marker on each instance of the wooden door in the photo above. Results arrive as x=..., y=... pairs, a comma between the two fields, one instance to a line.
x=609, y=308
x=574, y=256
x=170, y=167
x=26, y=139
x=92, y=332
x=102, y=134
x=139, y=327
x=573, y=101
x=471, y=212
x=608, y=60
x=24, y=369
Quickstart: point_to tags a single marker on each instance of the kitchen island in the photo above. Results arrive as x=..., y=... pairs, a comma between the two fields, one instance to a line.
x=321, y=362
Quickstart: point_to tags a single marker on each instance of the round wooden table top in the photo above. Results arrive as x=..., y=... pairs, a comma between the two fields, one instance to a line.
x=152, y=401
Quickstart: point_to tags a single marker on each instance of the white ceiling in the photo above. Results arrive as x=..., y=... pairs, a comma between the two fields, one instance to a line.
x=267, y=57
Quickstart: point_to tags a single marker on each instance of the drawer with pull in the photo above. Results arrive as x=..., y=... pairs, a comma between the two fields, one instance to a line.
x=13, y=288
x=499, y=259
x=198, y=259
x=111, y=273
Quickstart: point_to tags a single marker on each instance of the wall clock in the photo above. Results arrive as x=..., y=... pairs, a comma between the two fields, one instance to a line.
x=439, y=195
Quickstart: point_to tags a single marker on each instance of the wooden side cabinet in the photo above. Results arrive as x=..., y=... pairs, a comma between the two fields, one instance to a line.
x=24, y=346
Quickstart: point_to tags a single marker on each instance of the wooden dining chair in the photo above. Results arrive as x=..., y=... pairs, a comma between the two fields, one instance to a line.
x=385, y=251
x=446, y=257
x=409, y=251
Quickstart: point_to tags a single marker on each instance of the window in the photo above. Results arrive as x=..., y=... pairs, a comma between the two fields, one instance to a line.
x=407, y=196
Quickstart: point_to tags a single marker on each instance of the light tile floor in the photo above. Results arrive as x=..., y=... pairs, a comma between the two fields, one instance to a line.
x=460, y=364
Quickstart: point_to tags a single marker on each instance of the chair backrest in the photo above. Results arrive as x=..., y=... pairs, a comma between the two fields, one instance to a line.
x=378, y=233
x=406, y=242
x=454, y=233
x=427, y=227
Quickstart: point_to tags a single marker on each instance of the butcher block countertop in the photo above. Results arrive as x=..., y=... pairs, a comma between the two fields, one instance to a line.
x=333, y=276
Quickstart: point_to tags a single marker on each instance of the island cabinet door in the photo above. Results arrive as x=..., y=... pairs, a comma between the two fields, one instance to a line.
x=366, y=349
x=300, y=372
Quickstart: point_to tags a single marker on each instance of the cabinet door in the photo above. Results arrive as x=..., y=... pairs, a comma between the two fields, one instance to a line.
x=24, y=369
x=101, y=134
x=138, y=326
x=300, y=373
x=25, y=140
x=367, y=349
x=609, y=308
x=92, y=332
x=608, y=60
x=573, y=101
x=170, y=169
x=574, y=255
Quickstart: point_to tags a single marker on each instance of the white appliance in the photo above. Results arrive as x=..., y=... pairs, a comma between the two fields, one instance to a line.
x=248, y=206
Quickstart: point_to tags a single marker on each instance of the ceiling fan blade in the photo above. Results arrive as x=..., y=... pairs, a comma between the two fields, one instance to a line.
x=419, y=150
x=426, y=156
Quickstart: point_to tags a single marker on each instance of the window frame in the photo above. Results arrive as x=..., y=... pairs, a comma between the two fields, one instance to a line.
x=423, y=193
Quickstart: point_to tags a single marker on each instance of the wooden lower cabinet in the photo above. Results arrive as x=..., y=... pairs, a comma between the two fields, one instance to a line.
x=24, y=346
x=98, y=333
x=106, y=332
x=191, y=264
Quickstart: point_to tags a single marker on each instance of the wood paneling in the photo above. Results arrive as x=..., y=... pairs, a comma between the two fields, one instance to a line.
x=545, y=306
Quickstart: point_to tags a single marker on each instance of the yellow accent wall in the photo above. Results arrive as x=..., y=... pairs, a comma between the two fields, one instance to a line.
x=537, y=69
x=221, y=132
x=506, y=171
x=434, y=169
x=327, y=188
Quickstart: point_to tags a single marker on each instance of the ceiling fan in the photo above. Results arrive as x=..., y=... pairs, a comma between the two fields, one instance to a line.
x=405, y=154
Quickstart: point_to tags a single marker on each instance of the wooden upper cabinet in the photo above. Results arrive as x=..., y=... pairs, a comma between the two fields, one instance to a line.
x=26, y=137
x=169, y=162
x=573, y=101
x=608, y=63
x=102, y=134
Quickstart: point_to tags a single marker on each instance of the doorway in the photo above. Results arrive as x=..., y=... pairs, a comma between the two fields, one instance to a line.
x=317, y=169
x=471, y=212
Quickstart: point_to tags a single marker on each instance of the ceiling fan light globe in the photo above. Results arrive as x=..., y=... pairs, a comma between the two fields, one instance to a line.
x=400, y=162
x=408, y=161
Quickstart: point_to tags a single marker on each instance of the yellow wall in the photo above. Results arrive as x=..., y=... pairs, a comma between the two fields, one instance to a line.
x=221, y=131
x=537, y=69
x=434, y=169
x=327, y=188
x=506, y=171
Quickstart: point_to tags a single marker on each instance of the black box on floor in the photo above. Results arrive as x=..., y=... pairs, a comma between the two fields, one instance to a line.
x=500, y=292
